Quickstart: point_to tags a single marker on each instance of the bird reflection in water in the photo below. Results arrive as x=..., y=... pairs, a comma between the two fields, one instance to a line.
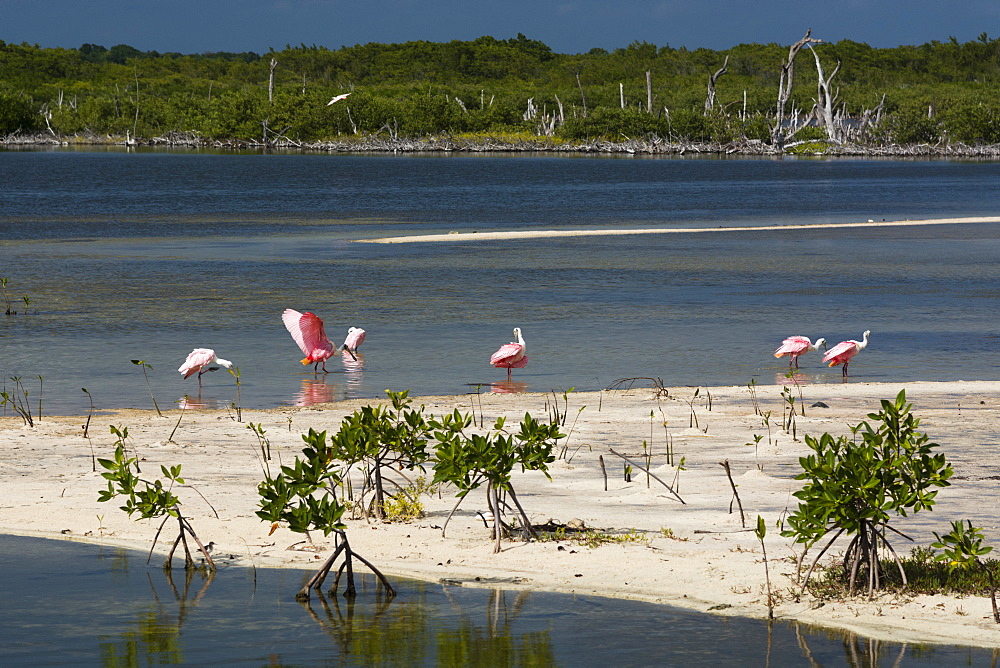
x=354, y=366
x=508, y=387
x=797, y=378
x=313, y=391
x=188, y=402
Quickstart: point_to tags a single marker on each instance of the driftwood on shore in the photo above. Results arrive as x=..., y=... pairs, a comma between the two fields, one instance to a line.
x=445, y=144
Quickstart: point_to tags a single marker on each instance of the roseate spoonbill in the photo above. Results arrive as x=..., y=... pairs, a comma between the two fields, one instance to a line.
x=337, y=98
x=200, y=361
x=307, y=330
x=511, y=355
x=355, y=337
x=794, y=346
x=843, y=352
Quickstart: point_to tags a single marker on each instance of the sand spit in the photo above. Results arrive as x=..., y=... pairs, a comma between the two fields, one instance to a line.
x=541, y=234
x=695, y=555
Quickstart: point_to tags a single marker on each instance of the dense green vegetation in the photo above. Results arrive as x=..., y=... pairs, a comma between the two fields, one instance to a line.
x=932, y=92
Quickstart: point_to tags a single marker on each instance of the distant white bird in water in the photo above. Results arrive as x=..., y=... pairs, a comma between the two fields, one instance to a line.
x=337, y=98
x=200, y=361
x=355, y=337
x=794, y=346
x=511, y=355
x=844, y=352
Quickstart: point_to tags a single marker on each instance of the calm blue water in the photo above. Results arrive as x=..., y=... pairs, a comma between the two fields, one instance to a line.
x=75, y=604
x=147, y=255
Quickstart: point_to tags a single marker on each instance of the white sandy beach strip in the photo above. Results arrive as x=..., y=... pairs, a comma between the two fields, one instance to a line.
x=698, y=555
x=541, y=234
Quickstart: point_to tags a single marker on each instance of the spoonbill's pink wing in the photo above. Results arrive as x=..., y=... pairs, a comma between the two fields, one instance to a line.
x=196, y=360
x=793, y=345
x=508, y=353
x=355, y=338
x=841, y=352
x=519, y=364
x=298, y=326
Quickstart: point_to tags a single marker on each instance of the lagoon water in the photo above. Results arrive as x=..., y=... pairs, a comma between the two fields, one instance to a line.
x=82, y=604
x=147, y=254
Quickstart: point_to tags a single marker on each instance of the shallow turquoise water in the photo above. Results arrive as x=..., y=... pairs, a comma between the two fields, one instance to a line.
x=148, y=255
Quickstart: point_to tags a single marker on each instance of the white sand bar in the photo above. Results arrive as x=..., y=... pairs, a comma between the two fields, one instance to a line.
x=541, y=234
x=696, y=555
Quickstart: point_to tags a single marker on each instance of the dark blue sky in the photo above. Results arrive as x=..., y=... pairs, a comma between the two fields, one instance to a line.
x=568, y=26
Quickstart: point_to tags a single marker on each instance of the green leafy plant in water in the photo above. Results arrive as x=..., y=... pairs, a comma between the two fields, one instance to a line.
x=144, y=365
x=962, y=548
x=470, y=460
x=856, y=488
x=305, y=496
x=150, y=499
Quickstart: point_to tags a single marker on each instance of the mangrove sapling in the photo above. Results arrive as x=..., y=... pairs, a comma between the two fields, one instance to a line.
x=677, y=474
x=304, y=495
x=693, y=419
x=736, y=495
x=469, y=460
x=854, y=488
x=647, y=455
x=265, y=445
x=18, y=399
x=756, y=443
x=963, y=546
x=151, y=500
x=761, y=531
x=628, y=473
x=144, y=366
x=40, y=380
x=565, y=446
x=183, y=401
x=793, y=376
x=121, y=434
x=86, y=430
x=6, y=296
x=234, y=371
x=752, y=386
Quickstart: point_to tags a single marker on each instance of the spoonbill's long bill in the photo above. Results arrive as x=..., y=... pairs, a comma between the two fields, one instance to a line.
x=200, y=361
x=511, y=355
x=794, y=346
x=844, y=352
x=307, y=330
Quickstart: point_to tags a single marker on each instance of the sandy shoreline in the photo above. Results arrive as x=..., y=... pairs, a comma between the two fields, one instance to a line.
x=539, y=234
x=47, y=488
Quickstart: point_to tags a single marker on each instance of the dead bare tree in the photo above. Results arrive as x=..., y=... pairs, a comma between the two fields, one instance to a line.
x=270, y=81
x=710, y=98
x=779, y=133
x=649, y=91
x=826, y=100
x=583, y=97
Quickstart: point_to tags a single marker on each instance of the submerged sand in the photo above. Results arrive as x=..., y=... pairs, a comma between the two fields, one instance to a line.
x=696, y=555
x=540, y=234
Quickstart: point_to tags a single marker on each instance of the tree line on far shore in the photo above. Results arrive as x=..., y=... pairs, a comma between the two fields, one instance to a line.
x=842, y=92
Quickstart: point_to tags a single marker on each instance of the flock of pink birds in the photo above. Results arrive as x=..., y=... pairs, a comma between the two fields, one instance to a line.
x=842, y=353
x=307, y=331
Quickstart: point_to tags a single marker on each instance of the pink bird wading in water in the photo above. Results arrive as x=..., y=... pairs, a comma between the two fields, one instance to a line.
x=843, y=352
x=307, y=330
x=794, y=346
x=355, y=337
x=511, y=355
x=200, y=361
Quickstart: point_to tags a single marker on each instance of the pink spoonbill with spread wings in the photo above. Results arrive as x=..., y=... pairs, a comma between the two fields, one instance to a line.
x=307, y=330
x=844, y=352
x=355, y=337
x=794, y=346
x=200, y=361
x=511, y=355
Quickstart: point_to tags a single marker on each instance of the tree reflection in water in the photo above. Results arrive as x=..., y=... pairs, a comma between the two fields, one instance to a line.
x=155, y=635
